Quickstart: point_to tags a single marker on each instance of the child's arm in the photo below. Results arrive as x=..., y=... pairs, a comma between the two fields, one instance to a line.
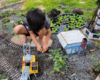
x=32, y=35
x=45, y=45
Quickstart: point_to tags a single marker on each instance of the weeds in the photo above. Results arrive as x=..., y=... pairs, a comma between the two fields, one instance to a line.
x=4, y=76
x=96, y=66
x=7, y=19
x=20, y=14
x=59, y=60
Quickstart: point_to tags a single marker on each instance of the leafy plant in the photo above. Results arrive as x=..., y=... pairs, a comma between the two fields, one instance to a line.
x=31, y=4
x=98, y=34
x=21, y=21
x=7, y=13
x=65, y=29
x=20, y=14
x=96, y=45
x=4, y=76
x=59, y=60
x=64, y=7
x=7, y=19
x=3, y=25
x=60, y=18
x=15, y=24
x=1, y=15
x=96, y=66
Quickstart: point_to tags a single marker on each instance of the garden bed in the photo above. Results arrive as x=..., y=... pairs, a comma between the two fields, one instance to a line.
x=67, y=21
x=79, y=67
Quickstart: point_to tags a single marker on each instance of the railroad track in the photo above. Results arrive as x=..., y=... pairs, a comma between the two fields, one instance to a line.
x=11, y=44
x=14, y=73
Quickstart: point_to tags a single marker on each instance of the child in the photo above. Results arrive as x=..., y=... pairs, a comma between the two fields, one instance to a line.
x=34, y=24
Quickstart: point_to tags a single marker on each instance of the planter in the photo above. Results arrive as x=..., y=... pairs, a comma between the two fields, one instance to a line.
x=70, y=21
x=91, y=35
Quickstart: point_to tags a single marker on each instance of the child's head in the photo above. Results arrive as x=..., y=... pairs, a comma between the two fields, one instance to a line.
x=36, y=19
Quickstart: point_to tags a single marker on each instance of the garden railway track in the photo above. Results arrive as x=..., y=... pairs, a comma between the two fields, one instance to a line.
x=15, y=73
x=11, y=44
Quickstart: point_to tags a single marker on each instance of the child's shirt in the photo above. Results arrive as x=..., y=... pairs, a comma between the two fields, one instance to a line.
x=46, y=25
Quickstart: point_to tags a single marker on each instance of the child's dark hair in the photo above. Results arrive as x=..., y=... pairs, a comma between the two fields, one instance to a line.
x=36, y=19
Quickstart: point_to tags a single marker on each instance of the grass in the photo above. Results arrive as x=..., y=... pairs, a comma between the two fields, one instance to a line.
x=88, y=4
x=49, y=4
x=9, y=1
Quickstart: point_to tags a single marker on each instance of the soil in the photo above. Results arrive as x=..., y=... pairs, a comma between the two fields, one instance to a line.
x=53, y=13
x=79, y=67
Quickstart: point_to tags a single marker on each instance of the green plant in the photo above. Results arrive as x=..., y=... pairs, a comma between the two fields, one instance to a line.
x=7, y=19
x=59, y=60
x=21, y=21
x=4, y=76
x=64, y=7
x=98, y=34
x=96, y=45
x=65, y=29
x=68, y=10
x=1, y=15
x=15, y=24
x=3, y=25
x=7, y=13
x=70, y=26
x=31, y=4
x=57, y=27
x=20, y=14
x=52, y=25
x=60, y=18
x=96, y=66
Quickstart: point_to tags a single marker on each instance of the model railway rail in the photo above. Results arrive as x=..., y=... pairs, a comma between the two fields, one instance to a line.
x=11, y=44
x=15, y=74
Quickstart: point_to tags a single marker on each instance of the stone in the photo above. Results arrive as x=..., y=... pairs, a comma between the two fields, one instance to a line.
x=78, y=11
x=49, y=43
x=12, y=21
x=53, y=13
x=17, y=39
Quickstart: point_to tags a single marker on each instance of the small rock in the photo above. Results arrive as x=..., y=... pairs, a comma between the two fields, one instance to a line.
x=90, y=71
x=45, y=73
x=12, y=21
x=78, y=11
x=73, y=74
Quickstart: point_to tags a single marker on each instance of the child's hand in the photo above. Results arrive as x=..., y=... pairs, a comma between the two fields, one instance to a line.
x=39, y=48
x=45, y=47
